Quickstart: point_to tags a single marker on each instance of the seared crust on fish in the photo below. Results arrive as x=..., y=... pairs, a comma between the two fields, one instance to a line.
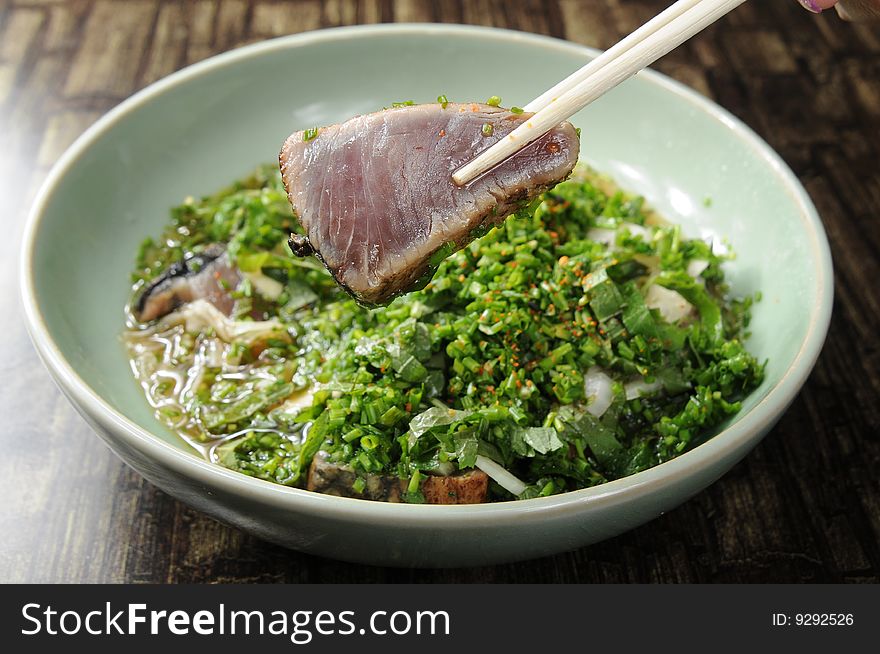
x=470, y=487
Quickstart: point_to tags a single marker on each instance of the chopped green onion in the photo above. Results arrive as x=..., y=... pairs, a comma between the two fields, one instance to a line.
x=414, y=482
x=486, y=366
x=369, y=442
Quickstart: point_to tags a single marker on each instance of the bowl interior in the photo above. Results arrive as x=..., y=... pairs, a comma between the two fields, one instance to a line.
x=196, y=132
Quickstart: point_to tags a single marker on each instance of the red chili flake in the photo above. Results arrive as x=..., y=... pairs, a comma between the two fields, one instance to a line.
x=518, y=383
x=491, y=389
x=442, y=132
x=408, y=407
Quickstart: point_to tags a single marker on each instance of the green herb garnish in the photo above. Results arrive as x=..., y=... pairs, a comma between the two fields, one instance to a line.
x=488, y=359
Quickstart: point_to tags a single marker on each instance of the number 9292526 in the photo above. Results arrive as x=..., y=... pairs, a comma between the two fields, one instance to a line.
x=813, y=620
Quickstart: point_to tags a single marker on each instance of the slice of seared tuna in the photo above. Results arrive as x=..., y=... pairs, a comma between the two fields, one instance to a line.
x=375, y=195
x=470, y=487
x=205, y=276
x=335, y=479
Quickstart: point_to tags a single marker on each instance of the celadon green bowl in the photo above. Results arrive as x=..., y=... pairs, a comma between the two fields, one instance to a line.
x=201, y=128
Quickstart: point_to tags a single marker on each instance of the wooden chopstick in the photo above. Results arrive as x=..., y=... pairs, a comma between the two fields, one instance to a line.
x=660, y=20
x=593, y=81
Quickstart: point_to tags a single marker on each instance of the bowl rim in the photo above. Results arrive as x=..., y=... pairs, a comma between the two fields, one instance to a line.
x=744, y=433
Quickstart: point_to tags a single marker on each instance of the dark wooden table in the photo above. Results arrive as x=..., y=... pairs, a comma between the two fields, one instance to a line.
x=803, y=507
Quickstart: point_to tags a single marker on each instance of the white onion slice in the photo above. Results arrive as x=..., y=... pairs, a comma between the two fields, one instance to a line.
x=640, y=388
x=446, y=469
x=671, y=305
x=503, y=478
x=638, y=230
x=212, y=353
x=696, y=267
x=266, y=286
x=605, y=236
x=597, y=388
x=201, y=313
x=297, y=402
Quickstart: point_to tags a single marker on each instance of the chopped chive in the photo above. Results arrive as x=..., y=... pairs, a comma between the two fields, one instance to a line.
x=390, y=417
x=369, y=442
x=414, y=482
x=491, y=359
x=310, y=134
x=353, y=435
x=488, y=130
x=516, y=110
x=494, y=101
x=443, y=100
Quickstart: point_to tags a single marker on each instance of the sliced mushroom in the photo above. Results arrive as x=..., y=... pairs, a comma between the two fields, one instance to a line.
x=204, y=276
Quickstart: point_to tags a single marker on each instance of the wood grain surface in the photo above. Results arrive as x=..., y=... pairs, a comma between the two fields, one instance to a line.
x=803, y=507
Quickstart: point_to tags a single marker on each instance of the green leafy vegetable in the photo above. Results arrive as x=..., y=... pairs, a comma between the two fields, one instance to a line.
x=487, y=359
